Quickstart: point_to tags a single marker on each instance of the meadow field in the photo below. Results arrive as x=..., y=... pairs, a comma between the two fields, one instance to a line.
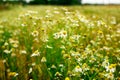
x=60, y=43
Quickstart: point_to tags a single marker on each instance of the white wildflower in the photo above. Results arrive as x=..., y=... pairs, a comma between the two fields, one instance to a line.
x=78, y=69
x=30, y=70
x=7, y=51
x=36, y=53
x=35, y=33
x=43, y=59
x=49, y=47
x=23, y=52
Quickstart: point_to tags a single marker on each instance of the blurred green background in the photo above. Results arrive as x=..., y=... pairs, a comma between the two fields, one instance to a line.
x=53, y=2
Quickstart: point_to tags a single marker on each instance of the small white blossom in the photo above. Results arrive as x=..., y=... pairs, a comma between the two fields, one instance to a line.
x=49, y=47
x=30, y=70
x=23, y=52
x=78, y=69
x=7, y=51
x=35, y=33
x=36, y=53
x=43, y=59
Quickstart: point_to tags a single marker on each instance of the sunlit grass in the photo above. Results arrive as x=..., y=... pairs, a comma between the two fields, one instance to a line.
x=60, y=43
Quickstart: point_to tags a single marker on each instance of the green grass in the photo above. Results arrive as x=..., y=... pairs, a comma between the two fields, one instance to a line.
x=60, y=43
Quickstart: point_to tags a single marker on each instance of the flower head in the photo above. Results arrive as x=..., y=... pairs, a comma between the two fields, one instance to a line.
x=78, y=69
x=36, y=53
x=35, y=33
x=43, y=59
x=111, y=68
x=7, y=51
x=67, y=78
x=58, y=74
x=23, y=52
x=63, y=34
